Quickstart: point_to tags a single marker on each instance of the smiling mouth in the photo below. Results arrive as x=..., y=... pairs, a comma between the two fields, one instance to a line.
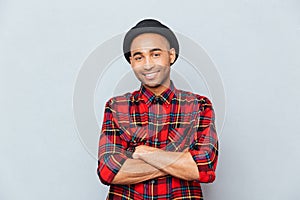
x=151, y=75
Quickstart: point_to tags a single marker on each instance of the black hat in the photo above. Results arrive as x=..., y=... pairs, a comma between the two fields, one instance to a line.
x=149, y=26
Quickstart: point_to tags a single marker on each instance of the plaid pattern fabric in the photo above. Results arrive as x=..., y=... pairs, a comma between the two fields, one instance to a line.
x=174, y=121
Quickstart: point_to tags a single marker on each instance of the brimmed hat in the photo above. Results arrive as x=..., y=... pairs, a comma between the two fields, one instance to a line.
x=149, y=26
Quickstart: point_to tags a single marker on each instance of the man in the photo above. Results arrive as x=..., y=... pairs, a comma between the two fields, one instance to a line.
x=158, y=142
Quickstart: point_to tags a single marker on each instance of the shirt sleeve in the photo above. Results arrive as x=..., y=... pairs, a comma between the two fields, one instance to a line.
x=204, y=148
x=112, y=148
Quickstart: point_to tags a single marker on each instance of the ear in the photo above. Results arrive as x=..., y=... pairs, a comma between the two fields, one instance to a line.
x=172, y=55
x=130, y=59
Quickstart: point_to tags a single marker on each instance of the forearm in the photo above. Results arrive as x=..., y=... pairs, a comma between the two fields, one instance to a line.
x=178, y=164
x=135, y=171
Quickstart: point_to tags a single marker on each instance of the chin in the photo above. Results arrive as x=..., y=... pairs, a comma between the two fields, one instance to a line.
x=152, y=85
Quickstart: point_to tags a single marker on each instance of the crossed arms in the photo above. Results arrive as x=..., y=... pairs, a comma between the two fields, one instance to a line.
x=149, y=163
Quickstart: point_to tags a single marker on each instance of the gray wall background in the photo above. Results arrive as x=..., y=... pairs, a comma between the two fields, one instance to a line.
x=254, y=44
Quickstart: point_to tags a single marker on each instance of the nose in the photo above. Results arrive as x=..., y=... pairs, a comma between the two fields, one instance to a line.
x=149, y=64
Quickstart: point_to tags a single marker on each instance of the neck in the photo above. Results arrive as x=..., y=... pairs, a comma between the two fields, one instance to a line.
x=159, y=89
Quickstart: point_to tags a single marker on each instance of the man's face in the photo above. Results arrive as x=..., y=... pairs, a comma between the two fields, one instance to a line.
x=150, y=60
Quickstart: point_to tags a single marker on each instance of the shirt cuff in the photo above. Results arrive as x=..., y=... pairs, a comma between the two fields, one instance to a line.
x=109, y=167
x=205, y=169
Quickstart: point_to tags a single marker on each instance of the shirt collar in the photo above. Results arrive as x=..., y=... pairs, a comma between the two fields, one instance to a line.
x=149, y=97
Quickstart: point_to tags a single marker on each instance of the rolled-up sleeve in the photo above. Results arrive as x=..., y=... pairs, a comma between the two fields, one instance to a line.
x=204, y=148
x=112, y=149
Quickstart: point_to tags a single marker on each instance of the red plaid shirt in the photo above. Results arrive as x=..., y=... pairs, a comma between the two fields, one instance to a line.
x=173, y=122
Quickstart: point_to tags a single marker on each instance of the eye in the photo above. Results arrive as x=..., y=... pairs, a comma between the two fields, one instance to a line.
x=138, y=58
x=155, y=55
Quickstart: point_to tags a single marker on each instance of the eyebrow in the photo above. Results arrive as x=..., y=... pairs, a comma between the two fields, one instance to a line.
x=155, y=49
x=139, y=53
